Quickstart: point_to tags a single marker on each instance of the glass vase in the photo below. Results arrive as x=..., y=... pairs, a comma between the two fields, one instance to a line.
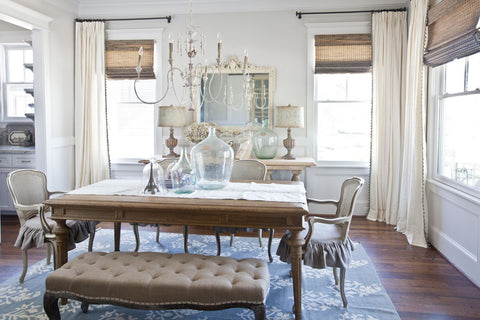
x=265, y=142
x=183, y=177
x=212, y=161
x=153, y=178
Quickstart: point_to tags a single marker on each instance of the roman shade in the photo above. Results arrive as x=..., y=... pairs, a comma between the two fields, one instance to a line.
x=453, y=31
x=343, y=53
x=121, y=59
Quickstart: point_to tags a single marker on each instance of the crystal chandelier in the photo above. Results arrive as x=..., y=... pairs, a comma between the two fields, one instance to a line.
x=196, y=78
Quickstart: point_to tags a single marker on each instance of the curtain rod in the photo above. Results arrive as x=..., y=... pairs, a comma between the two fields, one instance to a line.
x=168, y=18
x=299, y=14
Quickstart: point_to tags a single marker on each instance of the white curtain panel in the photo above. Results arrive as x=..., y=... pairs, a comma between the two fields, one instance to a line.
x=412, y=217
x=91, y=151
x=389, y=45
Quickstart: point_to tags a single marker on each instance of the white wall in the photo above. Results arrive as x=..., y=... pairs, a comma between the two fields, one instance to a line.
x=454, y=214
x=53, y=44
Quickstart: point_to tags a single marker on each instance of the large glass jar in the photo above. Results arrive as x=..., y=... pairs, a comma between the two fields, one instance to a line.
x=265, y=142
x=212, y=162
x=183, y=177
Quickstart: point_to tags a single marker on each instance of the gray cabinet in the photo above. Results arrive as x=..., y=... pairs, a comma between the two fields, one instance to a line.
x=10, y=162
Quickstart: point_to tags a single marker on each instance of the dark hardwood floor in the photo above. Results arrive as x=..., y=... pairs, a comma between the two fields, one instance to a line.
x=420, y=282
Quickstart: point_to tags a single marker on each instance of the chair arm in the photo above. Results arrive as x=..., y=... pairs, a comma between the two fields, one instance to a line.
x=331, y=202
x=339, y=220
x=50, y=193
x=46, y=228
x=26, y=212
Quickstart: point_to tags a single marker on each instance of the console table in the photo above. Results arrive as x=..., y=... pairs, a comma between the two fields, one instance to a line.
x=296, y=166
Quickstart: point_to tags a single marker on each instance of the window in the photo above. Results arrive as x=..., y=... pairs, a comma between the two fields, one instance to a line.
x=18, y=81
x=458, y=116
x=343, y=103
x=131, y=123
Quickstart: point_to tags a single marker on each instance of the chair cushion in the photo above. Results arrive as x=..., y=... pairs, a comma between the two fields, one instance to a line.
x=325, y=248
x=152, y=278
x=31, y=234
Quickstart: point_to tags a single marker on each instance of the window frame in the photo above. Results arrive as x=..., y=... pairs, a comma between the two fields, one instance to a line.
x=155, y=34
x=5, y=47
x=437, y=83
x=343, y=27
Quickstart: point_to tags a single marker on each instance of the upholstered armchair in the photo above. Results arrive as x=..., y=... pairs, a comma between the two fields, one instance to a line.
x=327, y=243
x=28, y=189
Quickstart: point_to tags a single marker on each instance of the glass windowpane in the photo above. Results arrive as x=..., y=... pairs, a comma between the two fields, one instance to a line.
x=455, y=76
x=458, y=158
x=131, y=123
x=473, y=72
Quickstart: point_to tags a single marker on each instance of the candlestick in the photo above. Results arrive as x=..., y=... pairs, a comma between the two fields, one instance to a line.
x=245, y=59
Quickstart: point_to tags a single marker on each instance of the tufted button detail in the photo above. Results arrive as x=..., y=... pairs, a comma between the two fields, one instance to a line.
x=223, y=278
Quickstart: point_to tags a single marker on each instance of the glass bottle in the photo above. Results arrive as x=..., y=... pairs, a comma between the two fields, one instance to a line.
x=183, y=177
x=153, y=178
x=265, y=142
x=212, y=162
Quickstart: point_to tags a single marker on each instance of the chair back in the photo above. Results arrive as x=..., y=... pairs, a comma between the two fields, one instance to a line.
x=249, y=169
x=27, y=187
x=350, y=189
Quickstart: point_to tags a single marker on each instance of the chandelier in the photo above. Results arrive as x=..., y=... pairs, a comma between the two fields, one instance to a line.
x=196, y=78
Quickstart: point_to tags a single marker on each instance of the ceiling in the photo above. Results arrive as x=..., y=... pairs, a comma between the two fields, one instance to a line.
x=112, y=8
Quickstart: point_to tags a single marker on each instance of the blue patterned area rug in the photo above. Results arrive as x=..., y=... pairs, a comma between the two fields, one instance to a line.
x=321, y=298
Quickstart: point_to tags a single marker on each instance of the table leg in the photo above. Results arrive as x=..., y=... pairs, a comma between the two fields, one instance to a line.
x=296, y=242
x=296, y=175
x=116, y=235
x=269, y=174
x=61, y=233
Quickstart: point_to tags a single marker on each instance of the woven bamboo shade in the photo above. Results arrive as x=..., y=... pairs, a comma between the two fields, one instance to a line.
x=453, y=31
x=121, y=59
x=343, y=53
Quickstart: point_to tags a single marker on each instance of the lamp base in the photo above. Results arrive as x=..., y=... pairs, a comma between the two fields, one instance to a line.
x=289, y=156
x=171, y=143
x=289, y=143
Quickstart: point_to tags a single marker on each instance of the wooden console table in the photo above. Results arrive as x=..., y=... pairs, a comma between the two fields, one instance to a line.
x=296, y=166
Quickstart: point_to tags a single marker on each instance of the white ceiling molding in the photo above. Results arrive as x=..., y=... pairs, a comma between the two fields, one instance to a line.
x=22, y=16
x=119, y=8
x=70, y=6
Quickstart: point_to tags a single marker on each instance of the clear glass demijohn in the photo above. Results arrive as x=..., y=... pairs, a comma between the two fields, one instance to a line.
x=183, y=177
x=212, y=161
x=265, y=142
x=152, y=178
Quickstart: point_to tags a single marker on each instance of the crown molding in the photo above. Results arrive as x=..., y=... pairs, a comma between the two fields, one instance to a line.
x=71, y=6
x=103, y=8
x=22, y=16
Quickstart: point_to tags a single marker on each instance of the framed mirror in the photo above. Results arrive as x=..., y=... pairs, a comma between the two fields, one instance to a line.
x=233, y=98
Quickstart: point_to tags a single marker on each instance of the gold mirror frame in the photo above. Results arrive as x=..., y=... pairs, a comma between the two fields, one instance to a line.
x=234, y=66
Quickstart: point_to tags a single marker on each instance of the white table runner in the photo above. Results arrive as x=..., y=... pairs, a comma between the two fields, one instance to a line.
x=234, y=190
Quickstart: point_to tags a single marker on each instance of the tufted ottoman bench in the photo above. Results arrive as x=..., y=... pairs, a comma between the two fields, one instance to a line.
x=152, y=280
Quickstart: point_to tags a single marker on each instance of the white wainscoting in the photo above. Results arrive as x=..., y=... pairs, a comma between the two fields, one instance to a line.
x=324, y=182
x=454, y=227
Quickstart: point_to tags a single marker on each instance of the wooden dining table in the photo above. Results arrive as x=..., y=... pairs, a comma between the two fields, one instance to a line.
x=184, y=211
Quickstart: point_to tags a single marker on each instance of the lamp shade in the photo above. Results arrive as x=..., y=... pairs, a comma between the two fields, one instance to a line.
x=289, y=117
x=170, y=116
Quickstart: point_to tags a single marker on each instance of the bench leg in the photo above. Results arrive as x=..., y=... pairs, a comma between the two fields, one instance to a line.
x=50, y=305
x=84, y=307
x=259, y=312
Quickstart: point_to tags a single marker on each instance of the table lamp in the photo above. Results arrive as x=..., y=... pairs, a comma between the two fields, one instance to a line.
x=170, y=116
x=289, y=117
